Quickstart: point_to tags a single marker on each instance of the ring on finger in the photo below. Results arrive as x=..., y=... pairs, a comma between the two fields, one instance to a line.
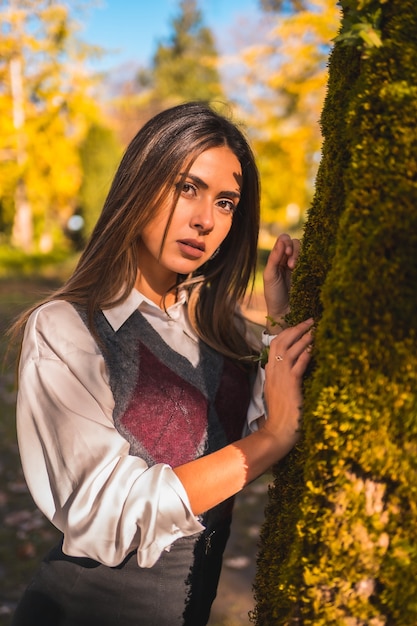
x=279, y=357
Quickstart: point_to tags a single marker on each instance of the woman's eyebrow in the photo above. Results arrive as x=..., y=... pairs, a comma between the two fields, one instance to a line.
x=200, y=182
x=196, y=179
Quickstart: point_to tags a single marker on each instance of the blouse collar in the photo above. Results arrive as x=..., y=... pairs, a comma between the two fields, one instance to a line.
x=117, y=315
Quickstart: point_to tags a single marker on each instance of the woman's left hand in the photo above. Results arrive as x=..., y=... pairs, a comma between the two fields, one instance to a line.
x=277, y=278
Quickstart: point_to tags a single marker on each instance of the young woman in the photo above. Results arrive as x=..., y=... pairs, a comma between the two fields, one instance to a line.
x=140, y=407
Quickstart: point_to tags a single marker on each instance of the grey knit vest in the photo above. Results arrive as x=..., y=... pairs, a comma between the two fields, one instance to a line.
x=170, y=411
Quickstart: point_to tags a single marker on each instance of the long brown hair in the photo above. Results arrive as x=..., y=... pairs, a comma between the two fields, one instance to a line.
x=163, y=148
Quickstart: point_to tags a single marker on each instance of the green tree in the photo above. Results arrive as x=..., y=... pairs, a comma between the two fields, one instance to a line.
x=186, y=66
x=338, y=545
x=45, y=108
x=100, y=153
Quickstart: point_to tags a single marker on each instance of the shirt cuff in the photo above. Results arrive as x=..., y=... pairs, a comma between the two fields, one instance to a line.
x=267, y=338
x=175, y=520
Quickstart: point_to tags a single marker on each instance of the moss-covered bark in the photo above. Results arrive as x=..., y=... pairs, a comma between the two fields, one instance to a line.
x=339, y=545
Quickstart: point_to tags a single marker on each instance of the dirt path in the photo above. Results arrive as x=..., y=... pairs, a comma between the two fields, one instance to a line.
x=235, y=597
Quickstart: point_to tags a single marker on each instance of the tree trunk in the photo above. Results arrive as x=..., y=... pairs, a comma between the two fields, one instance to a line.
x=22, y=233
x=339, y=541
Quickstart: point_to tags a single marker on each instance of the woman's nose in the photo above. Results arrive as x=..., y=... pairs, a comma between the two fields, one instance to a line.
x=203, y=218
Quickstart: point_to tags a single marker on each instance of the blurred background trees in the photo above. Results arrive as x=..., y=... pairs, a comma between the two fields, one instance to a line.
x=46, y=106
x=60, y=138
x=186, y=66
x=286, y=77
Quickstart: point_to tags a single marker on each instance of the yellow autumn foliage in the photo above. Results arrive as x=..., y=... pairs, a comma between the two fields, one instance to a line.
x=285, y=81
x=46, y=107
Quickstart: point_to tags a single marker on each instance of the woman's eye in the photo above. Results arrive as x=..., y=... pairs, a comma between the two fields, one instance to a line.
x=188, y=189
x=227, y=206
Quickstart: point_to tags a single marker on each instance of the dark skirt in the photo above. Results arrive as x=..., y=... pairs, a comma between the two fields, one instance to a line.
x=177, y=591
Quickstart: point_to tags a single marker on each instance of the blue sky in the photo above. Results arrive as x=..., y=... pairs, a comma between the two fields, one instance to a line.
x=130, y=29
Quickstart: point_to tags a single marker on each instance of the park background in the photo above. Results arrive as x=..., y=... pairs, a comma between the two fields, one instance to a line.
x=76, y=83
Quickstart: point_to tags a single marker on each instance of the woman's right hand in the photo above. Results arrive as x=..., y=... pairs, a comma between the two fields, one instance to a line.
x=289, y=355
x=213, y=478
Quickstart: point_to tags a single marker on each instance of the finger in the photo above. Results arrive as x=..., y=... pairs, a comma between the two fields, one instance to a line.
x=285, y=252
x=302, y=362
x=299, y=351
x=289, y=244
x=283, y=247
x=290, y=335
x=293, y=252
x=301, y=345
x=291, y=345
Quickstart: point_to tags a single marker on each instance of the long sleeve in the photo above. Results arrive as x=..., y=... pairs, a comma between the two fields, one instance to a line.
x=77, y=466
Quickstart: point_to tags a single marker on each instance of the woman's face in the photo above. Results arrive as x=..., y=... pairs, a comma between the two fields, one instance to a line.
x=201, y=220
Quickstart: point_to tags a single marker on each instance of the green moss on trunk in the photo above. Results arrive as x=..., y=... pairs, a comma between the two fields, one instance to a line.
x=339, y=545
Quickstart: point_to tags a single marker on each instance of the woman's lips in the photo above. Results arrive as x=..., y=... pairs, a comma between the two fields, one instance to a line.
x=192, y=247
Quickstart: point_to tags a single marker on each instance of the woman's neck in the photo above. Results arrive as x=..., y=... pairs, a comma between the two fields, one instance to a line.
x=163, y=296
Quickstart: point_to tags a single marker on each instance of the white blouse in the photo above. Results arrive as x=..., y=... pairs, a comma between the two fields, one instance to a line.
x=77, y=466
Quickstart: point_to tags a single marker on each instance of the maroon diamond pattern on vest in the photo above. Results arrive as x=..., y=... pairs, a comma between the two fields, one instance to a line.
x=166, y=414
